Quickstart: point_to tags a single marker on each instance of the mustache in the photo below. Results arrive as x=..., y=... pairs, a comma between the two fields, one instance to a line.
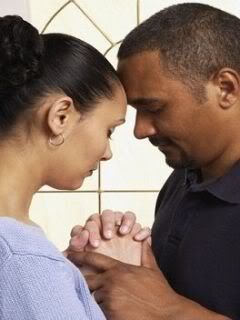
x=157, y=141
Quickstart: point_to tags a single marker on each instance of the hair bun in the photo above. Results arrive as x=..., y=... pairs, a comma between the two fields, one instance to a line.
x=21, y=48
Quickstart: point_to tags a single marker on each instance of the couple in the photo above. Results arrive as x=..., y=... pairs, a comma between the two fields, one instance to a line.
x=60, y=102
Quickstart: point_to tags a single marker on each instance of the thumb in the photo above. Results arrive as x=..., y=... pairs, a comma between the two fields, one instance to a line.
x=148, y=259
x=92, y=259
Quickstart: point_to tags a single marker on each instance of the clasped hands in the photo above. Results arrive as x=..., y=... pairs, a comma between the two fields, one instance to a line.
x=114, y=253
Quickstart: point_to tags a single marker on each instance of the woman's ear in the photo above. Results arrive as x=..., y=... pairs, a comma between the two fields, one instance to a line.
x=228, y=83
x=61, y=116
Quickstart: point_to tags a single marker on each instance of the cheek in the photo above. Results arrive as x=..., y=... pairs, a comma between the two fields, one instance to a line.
x=95, y=149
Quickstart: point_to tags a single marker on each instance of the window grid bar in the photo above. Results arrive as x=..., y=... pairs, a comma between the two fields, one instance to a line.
x=99, y=191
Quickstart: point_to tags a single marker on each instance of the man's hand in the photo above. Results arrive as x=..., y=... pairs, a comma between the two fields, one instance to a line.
x=103, y=226
x=129, y=292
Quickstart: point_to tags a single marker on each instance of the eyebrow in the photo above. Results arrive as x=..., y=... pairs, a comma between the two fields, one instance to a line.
x=145, y=101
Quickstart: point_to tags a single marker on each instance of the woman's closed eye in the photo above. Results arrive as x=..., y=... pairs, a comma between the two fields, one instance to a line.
x=110, y=132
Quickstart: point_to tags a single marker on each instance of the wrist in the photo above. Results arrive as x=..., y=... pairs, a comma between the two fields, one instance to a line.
x=190, y=310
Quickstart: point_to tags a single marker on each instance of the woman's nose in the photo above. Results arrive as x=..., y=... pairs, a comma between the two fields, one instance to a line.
x=108, y=153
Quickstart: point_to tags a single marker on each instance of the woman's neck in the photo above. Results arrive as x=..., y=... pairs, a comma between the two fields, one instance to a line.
x=19, y=180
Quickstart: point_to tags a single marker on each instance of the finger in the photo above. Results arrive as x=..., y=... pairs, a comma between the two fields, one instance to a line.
x=96, y=217
x=118, y=218
x=94, y=233
x=78, y=242
x=93, y=259
x=143, y=234
x=86, y=270
x=99, y=296
x=136, y=229
x=148, y=259
x=76, y=230
x=94, y=282
x=128, y=221
x=108, y=223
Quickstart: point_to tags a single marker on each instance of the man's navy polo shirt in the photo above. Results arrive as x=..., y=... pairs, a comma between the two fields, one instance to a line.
x=196, y=238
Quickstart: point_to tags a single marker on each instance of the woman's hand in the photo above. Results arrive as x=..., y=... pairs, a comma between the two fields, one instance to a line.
x=105, y=226
x=122, y=248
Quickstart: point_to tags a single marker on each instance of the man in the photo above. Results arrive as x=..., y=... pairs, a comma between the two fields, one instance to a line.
x=181, y=71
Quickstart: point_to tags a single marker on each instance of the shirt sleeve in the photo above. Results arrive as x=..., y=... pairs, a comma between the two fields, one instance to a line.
x=37, y=288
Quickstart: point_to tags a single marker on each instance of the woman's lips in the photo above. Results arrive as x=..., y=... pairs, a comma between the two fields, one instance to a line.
x=90, y=172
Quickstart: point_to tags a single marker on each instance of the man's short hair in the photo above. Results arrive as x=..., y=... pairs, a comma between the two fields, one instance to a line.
x=194, y=42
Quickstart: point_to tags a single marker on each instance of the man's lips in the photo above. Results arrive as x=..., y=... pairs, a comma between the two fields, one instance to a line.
x=158, y=142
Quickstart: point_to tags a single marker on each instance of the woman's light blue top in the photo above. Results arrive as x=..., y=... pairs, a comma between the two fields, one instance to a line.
x=36, y=281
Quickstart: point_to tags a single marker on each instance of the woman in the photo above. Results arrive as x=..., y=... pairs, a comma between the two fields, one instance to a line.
x=60, y=102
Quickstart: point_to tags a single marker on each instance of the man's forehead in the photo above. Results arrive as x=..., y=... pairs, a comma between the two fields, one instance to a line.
x=139, y=62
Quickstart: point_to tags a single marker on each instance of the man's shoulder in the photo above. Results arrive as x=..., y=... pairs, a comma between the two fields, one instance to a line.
x=176, y=178
x=174, y=182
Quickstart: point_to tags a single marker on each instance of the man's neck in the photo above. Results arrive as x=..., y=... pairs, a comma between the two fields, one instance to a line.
x=216, y=170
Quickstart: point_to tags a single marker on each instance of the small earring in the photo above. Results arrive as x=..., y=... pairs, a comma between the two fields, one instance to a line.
x=56, y=141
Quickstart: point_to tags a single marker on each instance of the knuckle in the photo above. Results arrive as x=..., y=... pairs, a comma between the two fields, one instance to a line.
x=91, y=225
x=94, y=235
x=130, y=216
x=107, y=212
x=109, y=225
x=130, y=213
x=138, y=226
x=94, y=216
x=75, y=230
x=108, y=216
x=119, y=213
x=146, y=230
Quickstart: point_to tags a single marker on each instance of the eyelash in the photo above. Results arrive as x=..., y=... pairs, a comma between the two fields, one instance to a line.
x=152, y=111
x=110, y=132
x=155, y=111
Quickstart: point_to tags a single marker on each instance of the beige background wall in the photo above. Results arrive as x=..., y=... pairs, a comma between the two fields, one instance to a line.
x=132, y=179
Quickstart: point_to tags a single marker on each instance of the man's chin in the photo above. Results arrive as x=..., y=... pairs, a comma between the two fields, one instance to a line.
x=179, y=164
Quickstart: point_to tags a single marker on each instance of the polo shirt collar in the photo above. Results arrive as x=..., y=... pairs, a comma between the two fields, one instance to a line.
x=226, y=188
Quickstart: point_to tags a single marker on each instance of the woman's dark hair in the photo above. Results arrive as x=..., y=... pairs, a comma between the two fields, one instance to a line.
x=33, y=65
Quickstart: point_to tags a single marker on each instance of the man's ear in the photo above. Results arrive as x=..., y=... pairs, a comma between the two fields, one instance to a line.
x=62, y=116
x=228, y=83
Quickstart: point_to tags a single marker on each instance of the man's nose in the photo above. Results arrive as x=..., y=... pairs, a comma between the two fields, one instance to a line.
x=144, y=126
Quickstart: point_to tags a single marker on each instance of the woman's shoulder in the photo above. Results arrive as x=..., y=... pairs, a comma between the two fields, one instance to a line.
x=17, y=238
x=37, y=281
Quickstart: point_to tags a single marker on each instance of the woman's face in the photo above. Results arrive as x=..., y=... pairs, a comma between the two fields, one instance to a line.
x=89, y=142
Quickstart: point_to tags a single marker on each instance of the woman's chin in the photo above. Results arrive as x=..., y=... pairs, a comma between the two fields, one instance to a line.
x=69, y=186
x=77, y=185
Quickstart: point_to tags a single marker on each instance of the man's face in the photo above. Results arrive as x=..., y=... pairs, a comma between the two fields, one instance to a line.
x=188, y=132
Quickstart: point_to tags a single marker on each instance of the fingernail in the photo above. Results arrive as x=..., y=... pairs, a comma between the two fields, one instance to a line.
x=95, y=243
x=124, y=229
x=108, y=234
